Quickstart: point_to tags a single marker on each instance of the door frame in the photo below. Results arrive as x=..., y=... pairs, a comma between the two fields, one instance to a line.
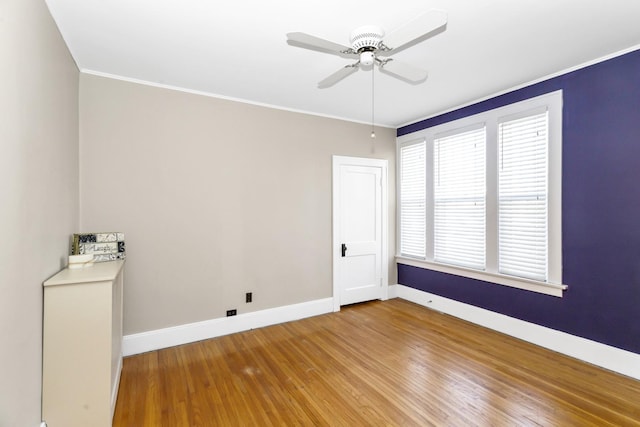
x=383, y=164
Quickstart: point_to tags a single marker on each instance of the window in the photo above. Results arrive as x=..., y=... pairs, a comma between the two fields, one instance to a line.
x=459, y=199
x=522, y=196
x=413, y=169
x=481, y=196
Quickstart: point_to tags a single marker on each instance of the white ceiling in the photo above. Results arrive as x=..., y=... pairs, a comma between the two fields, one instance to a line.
x=238, y=50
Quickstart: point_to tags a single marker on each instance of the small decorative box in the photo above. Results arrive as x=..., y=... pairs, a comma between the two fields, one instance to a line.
x=103, y=246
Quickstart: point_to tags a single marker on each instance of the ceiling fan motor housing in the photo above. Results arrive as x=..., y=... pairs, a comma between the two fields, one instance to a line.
x=366, y=40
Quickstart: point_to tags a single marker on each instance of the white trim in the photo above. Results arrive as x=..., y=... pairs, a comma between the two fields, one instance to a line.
x=383, y=164
x=524, y=85
x=226, y=98
x=191, y=332
x=393, y=291
x=605, y=356
x=499, y=279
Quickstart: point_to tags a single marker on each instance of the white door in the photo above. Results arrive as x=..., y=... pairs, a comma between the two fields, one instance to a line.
x=360, y=230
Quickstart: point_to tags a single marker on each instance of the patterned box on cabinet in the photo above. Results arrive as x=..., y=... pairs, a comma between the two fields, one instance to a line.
x=104, y=246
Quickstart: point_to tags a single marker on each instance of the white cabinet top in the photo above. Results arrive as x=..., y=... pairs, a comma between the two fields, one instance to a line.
x=98, y=272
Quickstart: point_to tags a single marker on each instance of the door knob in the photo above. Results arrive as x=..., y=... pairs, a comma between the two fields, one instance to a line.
x=344, y=249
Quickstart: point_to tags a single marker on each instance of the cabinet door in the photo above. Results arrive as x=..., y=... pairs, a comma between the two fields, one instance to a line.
x=76, y=383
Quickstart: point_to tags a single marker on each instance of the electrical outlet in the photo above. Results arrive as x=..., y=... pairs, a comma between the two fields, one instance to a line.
x=232, y=312
x=248, y=297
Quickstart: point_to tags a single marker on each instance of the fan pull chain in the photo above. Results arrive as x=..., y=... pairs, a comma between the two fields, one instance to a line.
x=373, y=132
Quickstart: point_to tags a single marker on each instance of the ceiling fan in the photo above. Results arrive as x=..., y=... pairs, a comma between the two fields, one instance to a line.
x=370, y=46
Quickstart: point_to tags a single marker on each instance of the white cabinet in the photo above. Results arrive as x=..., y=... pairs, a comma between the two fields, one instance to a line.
x=82, y=345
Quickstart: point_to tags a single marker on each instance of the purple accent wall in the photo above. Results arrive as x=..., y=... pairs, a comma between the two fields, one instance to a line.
x=600, y=211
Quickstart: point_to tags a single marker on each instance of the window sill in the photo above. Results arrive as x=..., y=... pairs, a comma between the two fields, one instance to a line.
x=500, y=279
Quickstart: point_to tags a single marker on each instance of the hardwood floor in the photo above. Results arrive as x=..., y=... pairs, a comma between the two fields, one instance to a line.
x=390, y=363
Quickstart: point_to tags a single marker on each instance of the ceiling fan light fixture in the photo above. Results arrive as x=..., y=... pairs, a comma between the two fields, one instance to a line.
x=367, y=58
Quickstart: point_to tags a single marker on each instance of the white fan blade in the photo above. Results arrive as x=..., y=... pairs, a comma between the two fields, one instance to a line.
x=338, y=75
x=403, y=71
x=421, y=27
x=308, y=41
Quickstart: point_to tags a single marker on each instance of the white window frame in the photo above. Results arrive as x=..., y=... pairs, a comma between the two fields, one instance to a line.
x=490, y=119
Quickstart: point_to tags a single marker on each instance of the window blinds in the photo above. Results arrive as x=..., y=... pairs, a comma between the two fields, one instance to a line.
x=522, y=197
x=459, y=199
x=413, y=199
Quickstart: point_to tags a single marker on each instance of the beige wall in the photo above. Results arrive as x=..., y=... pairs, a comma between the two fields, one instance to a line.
x=217, y=198
x=38, y=191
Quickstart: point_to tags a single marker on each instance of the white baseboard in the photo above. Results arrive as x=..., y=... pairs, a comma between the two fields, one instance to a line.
x=393, y=291
x=605, y=356
x=183, y=334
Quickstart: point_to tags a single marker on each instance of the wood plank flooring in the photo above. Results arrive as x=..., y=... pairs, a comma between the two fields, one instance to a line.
x=390, y=363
